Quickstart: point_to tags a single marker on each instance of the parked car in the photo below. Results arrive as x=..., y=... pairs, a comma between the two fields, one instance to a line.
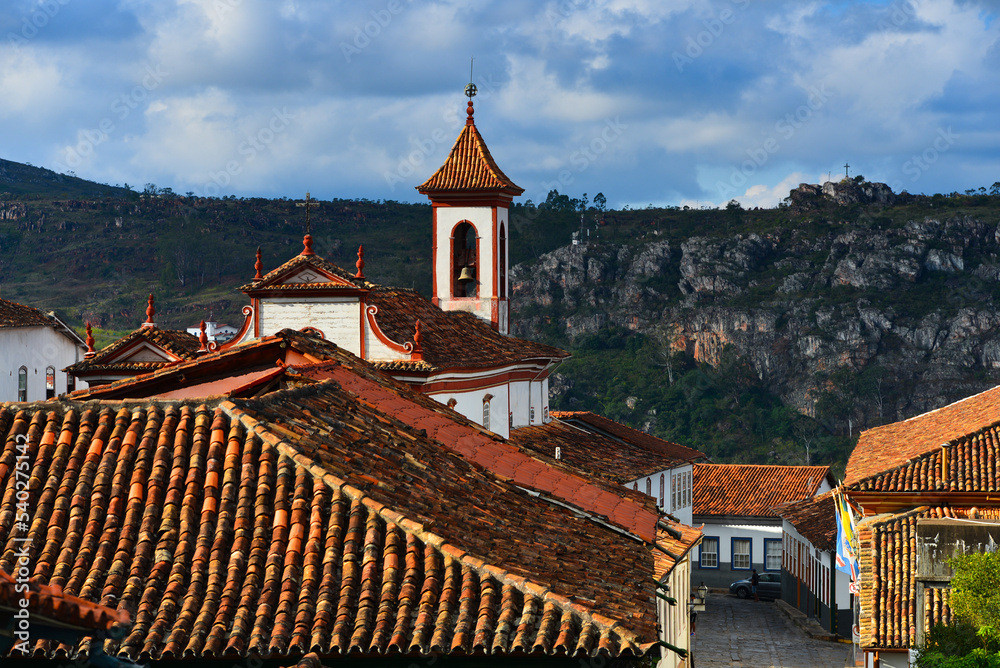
x=769, y=587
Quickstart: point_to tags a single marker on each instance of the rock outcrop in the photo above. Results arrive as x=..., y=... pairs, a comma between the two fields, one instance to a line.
x=910, y=306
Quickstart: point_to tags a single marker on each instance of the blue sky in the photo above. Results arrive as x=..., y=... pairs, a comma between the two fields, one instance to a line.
x=648, y=101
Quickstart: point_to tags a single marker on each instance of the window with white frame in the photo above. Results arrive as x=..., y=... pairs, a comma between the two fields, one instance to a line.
x=709, y=553
x=486, y=414
x=22, y=384
x=741, y=553
x=649, y=487
x=663, y=489
x=772, y=554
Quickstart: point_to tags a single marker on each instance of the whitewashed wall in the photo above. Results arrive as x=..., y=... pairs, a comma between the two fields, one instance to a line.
x=525, y=395
x=675, y=620
x=338, y=318
x=470, y=404
x=841, y=590
x=680, y=505
x=726, y=532
x=36, y=348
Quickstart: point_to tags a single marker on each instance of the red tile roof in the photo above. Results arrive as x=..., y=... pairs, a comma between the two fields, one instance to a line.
x=13, y=314
x=114, y=358
x=814, y=518
x=469, y=166
x=597, y=452
x=892, y=445
x=632, y=512
x=327, y=519
x=323, y=275
x=675, y=540
x=752, y=490
x=450, y=339
x=594, y=422
x=49, y=605
x=888, y=563
x=219, y=372
x=967, y=464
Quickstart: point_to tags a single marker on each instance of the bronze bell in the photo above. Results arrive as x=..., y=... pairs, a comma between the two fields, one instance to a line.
x=468, y=274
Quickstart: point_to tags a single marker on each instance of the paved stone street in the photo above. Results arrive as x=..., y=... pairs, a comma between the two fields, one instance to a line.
x=735, y=632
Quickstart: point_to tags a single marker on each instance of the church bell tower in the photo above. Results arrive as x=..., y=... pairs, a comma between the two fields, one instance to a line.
x=470, y=197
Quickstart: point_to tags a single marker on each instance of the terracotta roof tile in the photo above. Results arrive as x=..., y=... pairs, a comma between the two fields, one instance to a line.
x=254, y=360
x=636, y=513
x=888, y=562
x=967, y=464
x=13, y=314
x=891, y=445
x=49, y=605
x=677, y=539
x=451, y=339
x=814, y=518
x=113, y=358
x=469, y=166
x=328, y=276
x=752, y=489
x=611, y=451
x=310, y=521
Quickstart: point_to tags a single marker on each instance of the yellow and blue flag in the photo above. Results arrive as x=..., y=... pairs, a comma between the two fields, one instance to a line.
x=847, y=538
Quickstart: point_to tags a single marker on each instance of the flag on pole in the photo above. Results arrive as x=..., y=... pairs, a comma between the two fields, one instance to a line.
x=847, y=539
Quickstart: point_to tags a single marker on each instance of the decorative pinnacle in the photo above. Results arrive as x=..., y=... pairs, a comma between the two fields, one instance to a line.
x=90, y=342
x=360, y=264
x=259, y=266
x=150, y=312
x=418, y=337
x=470, y=92
x=307, y=245
x=203, y=338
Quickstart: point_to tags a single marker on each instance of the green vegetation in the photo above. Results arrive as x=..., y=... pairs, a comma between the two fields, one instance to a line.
x=973, y=641
x=724, y=411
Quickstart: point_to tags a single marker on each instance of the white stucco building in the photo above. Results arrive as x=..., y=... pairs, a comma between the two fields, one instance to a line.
x=737, y=503
x=35, y=347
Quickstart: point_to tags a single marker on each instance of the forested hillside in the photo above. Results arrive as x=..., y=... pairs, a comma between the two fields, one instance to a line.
x=758, y=336
x=852, y=306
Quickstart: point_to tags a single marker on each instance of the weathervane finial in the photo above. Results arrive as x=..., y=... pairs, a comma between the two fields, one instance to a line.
x=470, y=92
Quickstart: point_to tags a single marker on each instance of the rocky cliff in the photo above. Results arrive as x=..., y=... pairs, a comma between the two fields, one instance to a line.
x=870, y=313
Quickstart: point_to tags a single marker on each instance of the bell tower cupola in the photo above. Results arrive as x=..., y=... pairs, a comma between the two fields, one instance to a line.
x=470, y=197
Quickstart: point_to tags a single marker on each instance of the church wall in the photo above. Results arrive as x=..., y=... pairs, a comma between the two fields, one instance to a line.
x=529, y=401
x=446, y=218
x=35, y=348
x=378, y=351
x=470, y=404
x=338, y=318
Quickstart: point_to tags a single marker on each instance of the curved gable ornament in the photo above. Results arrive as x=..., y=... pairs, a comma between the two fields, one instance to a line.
x=404, y=348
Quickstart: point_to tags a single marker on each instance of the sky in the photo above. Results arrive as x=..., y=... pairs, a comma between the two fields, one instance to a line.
x=649, y=102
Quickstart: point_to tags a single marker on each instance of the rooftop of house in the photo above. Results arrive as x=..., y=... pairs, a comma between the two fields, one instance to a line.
x=888, y=563
x=892, y=445
x=814, y=518
x=602, y=447
x=449, y=339
x=13, y=314
x=141, y=351
x=50, y=606
x=403, y=526
x=753, y=490
x=966, y=464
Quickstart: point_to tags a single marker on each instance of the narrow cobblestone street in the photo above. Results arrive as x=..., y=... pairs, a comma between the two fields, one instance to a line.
x=737, y=632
